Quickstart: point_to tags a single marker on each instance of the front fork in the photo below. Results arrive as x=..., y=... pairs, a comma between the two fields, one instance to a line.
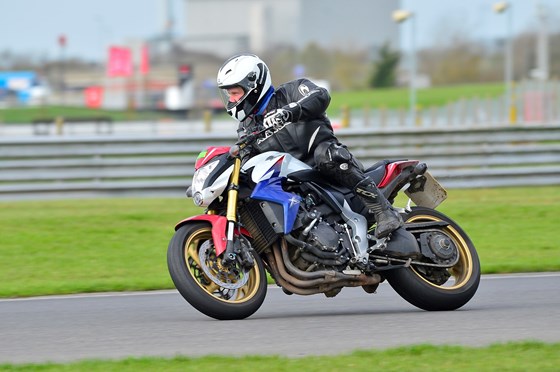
x=239, y=246
x=231, y=212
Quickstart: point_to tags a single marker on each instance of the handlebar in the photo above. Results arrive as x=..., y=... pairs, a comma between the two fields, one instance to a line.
x=245, y=141
x=249, y=139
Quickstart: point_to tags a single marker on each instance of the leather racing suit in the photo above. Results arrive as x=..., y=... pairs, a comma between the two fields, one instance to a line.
x=300, y=138
x=311, y=139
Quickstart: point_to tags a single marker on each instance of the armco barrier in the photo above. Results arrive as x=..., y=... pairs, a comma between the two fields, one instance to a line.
x=64, y=167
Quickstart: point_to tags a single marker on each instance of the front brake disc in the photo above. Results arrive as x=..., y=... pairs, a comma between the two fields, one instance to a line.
x=232, y=277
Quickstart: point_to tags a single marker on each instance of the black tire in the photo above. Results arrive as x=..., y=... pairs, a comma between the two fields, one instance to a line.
x=420, y=287
x=199, y=290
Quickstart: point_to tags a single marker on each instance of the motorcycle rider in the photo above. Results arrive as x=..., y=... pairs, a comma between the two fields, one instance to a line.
x=295, y=113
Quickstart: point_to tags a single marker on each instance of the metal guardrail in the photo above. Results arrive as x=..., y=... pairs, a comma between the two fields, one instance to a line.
x=42, y=126
x=64, y=167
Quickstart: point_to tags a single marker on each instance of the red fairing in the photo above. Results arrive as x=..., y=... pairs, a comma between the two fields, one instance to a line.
x=219, y=227
x=392, y=170
x=210, y=153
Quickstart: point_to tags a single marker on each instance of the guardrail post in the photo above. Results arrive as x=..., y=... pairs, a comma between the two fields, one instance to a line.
x=59, y=124
x=207, y=118
x=345, y=121
x=418, y=116
x=513, y=106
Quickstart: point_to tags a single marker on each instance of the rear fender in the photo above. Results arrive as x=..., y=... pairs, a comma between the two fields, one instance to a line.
x=219, y=228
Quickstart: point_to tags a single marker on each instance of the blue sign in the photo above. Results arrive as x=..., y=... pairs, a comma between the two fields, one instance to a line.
x=18, y=82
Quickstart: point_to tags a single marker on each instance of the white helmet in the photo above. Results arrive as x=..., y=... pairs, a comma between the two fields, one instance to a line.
x=251, y=74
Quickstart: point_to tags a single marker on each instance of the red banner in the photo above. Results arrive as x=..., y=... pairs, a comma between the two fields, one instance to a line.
x=120, y=62
x=93, y=96
x=144, y=60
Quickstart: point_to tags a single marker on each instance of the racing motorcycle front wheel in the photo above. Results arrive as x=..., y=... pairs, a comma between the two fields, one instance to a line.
x=433, y=288
x=221, y=292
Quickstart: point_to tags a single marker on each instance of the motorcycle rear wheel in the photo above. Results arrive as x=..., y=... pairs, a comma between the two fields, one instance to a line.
x=439, y=289
x=202, y=291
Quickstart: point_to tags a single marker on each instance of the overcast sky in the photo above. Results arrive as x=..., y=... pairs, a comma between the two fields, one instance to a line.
x=438, y=20
x=34, y=26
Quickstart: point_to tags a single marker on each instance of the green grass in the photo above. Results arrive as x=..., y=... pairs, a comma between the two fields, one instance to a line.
x=28, y=114
x=391, y=98
x=520, y=356
x=513, y=229
x=86, y=245
x=73, y=246
x=68, y=246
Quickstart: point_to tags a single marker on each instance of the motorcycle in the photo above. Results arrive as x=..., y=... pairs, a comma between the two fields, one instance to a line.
x=274, y=213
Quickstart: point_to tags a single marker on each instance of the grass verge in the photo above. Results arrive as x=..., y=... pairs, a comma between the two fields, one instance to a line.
x=29, y=114
x=393, y=98
x=74, y=246
x=390, y=98
x=521, y=356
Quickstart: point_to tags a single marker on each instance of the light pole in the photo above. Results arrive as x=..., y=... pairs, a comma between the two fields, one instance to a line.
x=505, y=7
x=62, y=43
x=400, y=16
x=542, y=44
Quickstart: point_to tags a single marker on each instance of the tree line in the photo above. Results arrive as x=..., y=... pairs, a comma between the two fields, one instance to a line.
x=460, y=60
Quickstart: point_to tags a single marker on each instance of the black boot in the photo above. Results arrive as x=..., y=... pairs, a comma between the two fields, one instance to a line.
x=388, y=219
x=402, y=244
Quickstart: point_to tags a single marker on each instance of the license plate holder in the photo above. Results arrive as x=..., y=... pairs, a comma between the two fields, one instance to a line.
x=430, y=195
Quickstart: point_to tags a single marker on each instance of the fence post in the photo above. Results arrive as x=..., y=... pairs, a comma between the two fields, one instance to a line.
x=554, y=99
x=366, y=114
x=382, y=116
x=402, y=117
x=487, y=101
x=462, y=112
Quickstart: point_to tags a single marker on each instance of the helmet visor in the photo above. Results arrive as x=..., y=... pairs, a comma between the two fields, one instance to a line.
x=233, y=96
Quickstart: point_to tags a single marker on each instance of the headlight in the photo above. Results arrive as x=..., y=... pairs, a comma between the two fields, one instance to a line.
x=201, y=175
x=198, y=199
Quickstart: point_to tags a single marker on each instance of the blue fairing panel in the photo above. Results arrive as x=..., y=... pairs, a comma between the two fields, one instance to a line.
x=271, y=190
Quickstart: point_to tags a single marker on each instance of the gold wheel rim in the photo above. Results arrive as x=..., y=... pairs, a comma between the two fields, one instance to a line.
x=240, y=295
x=461, y=272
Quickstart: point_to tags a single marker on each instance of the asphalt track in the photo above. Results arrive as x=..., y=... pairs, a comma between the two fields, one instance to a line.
x=161, y=323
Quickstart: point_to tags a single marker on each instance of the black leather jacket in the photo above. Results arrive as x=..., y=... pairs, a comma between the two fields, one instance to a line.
x=301, y=138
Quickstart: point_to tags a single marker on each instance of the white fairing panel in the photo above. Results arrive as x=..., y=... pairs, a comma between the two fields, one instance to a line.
x=264, y=165
x=210, y=193
x=205, y=195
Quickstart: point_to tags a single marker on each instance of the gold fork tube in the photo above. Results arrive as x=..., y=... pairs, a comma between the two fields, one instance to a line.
x=233, y=191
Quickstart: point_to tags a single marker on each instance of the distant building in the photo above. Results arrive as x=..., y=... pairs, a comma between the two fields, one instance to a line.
x=223, y=27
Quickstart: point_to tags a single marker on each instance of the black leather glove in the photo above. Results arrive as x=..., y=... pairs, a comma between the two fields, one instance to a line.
x=246, y=153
